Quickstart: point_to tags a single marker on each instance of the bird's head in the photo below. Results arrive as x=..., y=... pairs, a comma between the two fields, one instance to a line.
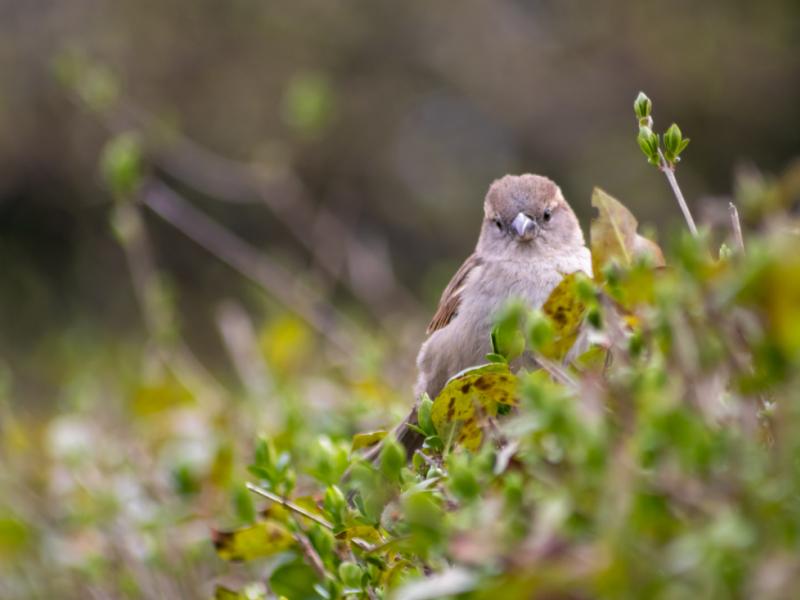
x=525, y=215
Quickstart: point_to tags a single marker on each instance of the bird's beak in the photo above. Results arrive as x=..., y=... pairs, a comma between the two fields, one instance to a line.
x=524, y=226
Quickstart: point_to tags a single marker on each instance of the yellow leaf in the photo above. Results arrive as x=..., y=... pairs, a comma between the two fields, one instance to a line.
x=223, y=593
x=163, y=394
x=286, y=343
x=370, y=438
x=614, y=237
x=262, y=539
x=566, y=311
x=469, y=397
x=366, y=533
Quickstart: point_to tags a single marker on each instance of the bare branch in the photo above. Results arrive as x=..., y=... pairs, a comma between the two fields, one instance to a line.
x=737, y=226
x=156, y=313
x=232, y=250
x=669, y=172
x=288, y=504
x=311, y=554
x=556, y=372
x=279, y=190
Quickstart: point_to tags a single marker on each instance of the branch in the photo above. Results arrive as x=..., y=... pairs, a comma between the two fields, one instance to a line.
x=287, y=504
x=737, y=226
x=280, y=190
x=156, y=313
x=362, y=544
x=241, y=256
x=669, y=172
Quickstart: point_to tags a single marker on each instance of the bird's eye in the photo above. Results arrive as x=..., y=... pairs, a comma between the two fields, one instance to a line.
x=499, y=224
x=546, y=216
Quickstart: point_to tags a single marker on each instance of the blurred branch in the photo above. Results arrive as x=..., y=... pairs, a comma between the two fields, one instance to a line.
x=155, y=308
x=238, y=254
x=669, y=173
x=282, y=192
x=288, y=504
x=737, y=226
x=239, y=337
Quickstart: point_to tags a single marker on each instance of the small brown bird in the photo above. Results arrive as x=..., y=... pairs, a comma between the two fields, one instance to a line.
x=529, y=240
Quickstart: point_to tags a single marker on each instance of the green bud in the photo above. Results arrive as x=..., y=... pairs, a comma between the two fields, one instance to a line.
x=642, y=106
x=121, y=163
x=674, y=143
x=648, y=142
x=424, y=415
x=463, y=481
x=335, y=502
x=350, y=574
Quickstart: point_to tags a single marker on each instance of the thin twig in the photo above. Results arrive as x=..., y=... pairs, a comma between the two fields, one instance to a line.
x=362, y=544
x=281, y=191
x=156, y=314
x=669, y=172
x=248, y=261
x=737, y=226
x=556, y=372
x=311, y=553
x=288, y=504
x=239, y=336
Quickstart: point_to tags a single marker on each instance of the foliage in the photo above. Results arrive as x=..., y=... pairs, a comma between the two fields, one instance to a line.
x=657, y=460
x=661, y=460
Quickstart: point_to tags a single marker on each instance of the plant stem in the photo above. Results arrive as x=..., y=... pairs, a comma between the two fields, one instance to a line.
x=286, y=504
x=669, y=172
x=737, y=226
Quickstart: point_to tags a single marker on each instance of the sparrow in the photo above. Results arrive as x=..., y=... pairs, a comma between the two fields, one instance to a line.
x=529, y=240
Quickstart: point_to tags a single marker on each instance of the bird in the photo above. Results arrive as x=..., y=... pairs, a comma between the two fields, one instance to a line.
x=529, y=240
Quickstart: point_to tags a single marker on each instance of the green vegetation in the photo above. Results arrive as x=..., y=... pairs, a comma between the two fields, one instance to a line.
x=660, y=462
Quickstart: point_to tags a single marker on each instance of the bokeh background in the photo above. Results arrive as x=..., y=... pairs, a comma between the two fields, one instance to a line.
x=341, y=151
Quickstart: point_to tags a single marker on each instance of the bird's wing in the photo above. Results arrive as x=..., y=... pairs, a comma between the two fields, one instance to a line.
x=451, y=297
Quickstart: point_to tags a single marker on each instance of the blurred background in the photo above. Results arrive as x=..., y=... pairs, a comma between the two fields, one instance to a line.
x=219, y=218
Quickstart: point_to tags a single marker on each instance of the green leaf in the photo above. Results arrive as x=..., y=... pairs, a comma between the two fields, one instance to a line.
x=425, y=521
x=350, y=574
x=496, y=358
x=295, y=580
x=614, y=236
x=335, y=503
x=424, y=416
x=462, y=478
x=262, y=539
x=367, y=439
x=393, y=458
x=507, y=338
x=243, y=503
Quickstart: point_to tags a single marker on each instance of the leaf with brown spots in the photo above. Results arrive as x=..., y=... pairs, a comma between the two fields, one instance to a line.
x=255, y=541
x=566, y=311
x=468, y=398
x=614, y=237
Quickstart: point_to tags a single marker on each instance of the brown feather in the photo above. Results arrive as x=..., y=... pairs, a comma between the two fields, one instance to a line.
x=451, y=297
